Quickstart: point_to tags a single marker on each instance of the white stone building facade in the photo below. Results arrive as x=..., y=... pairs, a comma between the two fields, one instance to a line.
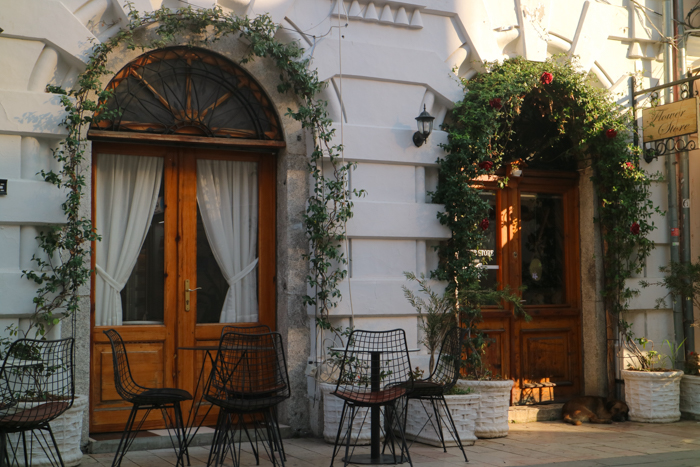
x=384, y=61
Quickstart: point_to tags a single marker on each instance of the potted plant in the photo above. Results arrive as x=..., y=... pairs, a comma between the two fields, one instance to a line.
x=652, y=392
x=682, y=280
x=464, y=408
x=437, y=316
x=492, y=418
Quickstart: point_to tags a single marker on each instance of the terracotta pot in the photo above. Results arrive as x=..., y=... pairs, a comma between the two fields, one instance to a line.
x=690, y=397
x=463, y=408
x=492, y=417
x=653, y=396
x=332, y=408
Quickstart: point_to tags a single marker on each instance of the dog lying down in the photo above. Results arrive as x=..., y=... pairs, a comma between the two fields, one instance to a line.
x=594, y=409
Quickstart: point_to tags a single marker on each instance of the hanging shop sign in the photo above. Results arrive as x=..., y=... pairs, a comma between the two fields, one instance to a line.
x=670, y=120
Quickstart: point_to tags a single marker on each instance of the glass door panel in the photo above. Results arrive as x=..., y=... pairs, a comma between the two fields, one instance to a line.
x=542, y=248
x=227, y=241
x=143, y=295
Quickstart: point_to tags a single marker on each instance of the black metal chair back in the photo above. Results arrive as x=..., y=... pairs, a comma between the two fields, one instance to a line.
x=392, y=366
x=446, y=371
x=256, y=329
x=36, y=386
x=249, y=373
x=249, y=376
x=38, y=374
x=124, y=382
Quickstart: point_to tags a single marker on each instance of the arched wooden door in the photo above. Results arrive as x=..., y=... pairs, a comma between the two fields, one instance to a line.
x=187, y=218
x=534, y=237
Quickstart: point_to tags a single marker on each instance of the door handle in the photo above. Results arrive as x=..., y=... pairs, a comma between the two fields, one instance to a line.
x=187, y=294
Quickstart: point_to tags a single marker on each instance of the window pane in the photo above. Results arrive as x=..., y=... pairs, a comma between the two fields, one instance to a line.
x=227, y=241
x=490, y=249
x=542, y=248
x=143, y=295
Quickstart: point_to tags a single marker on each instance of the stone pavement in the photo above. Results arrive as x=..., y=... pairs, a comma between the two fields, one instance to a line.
x=553, y=444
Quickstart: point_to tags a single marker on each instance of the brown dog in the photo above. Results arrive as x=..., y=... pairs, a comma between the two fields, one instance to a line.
x=594, y=409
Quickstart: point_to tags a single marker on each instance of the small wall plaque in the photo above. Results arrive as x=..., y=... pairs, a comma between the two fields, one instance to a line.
x=3, y=187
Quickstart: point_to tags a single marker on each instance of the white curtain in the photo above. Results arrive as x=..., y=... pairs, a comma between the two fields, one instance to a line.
x=227, y=193
x=126, y=195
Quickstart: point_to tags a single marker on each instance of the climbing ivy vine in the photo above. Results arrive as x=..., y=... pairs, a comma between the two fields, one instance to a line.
x=548, y=114
x=66, y=247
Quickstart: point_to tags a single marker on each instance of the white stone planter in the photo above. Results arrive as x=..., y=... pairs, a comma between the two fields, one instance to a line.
x=332, y=408
x=67, y=429
x=690, y=397
x=653, y=396
x=463, y=408
x=492, y=418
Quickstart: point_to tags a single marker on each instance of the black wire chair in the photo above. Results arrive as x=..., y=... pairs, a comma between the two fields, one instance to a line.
x=441, y=380
x=147, y=399
x=36, y=386
x=248, y=379
x=256, y=329
x=375, y=372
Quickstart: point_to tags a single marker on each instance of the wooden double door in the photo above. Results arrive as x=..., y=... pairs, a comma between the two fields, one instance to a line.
x=533, y=241
x=177, y=293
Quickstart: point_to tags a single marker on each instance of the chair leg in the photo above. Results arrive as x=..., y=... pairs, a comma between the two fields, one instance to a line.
x=220, y=440
x=55, y=445
x=129, y=434
x=273, y=441
x=351, y=420
x=404, y=445
x=279, y=433
x=181, y=435
x=453, y=428
x=340, y=429
x=438, y=423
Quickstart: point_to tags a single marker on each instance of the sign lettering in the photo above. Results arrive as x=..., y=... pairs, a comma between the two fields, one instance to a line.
x=670, y=120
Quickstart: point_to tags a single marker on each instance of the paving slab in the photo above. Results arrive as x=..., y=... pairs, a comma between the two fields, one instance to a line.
x=551, y=444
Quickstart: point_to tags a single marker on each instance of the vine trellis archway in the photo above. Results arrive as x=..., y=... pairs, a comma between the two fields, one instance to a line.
x=546, y=115
x=327, y=208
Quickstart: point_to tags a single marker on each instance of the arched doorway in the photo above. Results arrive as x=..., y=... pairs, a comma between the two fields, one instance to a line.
x=184, y=198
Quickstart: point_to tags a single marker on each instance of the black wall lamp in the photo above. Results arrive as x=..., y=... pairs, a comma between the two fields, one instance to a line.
x=425, y=127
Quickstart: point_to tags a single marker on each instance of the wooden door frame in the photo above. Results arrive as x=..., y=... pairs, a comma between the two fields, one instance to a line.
x=175, y=250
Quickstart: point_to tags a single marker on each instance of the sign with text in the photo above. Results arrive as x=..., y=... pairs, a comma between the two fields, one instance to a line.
x=670, y=120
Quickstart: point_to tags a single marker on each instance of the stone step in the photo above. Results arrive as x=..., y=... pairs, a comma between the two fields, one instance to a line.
x=534, y=413
x=156, y=439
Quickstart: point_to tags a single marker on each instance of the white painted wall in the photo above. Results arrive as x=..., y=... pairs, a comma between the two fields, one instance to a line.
x=387, y=66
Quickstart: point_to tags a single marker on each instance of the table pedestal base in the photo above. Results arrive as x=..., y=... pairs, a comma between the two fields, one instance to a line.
x=367, y=459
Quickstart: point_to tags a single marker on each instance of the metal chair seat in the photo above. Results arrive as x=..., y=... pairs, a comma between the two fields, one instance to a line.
x=24, y=418
x=425, y=388
x=369, y=398
x=161, y=396
x=246, y=405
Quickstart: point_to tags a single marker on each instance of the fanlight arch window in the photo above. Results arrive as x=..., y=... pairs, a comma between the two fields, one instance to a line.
x=189, y=91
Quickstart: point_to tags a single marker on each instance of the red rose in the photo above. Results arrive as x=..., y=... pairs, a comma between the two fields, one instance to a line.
x=611, y=133
x=629, y=166
x=634, y=228
x=546, y=78
x=496, y=103
x=486, y=165
x=484, y=224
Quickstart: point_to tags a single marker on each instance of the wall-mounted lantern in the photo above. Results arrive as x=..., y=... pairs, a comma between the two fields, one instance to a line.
x=425, y=127
x=3, y=187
